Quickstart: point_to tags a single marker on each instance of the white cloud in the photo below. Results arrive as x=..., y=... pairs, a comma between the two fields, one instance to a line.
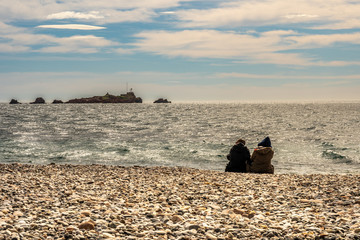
x=25, y=41
x=340, y=63
x=272, y=47
x=80, y=44
x=346, y=24
x=202, y=43
x=75, y=15
x=108, y=15
x=292, y=16
x=72, y=26
x=341, y=79
x=9, y=29
x=333, y=14
x=318, y=40
x=133, y=15
x=267, y=47
x=11, y=48
x=168, y=12
x=16, y=39
x=88, y=10
x=317, y=13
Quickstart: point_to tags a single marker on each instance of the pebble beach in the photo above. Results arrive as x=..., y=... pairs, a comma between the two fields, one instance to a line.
x=115, y=202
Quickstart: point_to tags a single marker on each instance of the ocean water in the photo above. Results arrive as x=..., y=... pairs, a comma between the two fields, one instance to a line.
x=306, y=137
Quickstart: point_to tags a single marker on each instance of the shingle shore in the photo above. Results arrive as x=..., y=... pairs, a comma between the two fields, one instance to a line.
x=114, y=202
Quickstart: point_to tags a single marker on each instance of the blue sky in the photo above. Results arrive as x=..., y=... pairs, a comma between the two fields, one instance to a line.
x=186, y=51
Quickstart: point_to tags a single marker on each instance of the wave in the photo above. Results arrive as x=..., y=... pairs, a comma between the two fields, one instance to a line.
x=338, y=158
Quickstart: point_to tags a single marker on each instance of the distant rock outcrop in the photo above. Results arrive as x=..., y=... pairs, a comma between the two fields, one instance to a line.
x=39, y=100
x=108, y=98
x=57, y=102
x=14, y=101
x=162, y=100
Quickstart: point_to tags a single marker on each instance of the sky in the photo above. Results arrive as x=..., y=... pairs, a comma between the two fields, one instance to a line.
x=186, y=51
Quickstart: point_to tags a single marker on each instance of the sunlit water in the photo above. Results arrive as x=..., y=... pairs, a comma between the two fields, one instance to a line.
x=307, y=138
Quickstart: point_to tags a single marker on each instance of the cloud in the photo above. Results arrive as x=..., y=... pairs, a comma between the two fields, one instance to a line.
x=8, y=29
x=279, y=47
x=321, y=40
x=346, y=24
x=168, y=12
x=72, y=26
x=203, y=43
x=107, y=15
x=341, y=79
x=75, y=15
x=106, y=11
x=15, y=39
x=317, y=13
x=11, y=48
x=270, y=47
x=80, y=44
x=133, y=15
x=28, y=41
x=292, y=16
x=333, y=14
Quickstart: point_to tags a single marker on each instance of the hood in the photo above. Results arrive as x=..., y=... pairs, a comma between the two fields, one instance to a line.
x=265, y=143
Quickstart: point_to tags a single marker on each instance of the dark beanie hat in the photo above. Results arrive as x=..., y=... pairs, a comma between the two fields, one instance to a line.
x=265, y=143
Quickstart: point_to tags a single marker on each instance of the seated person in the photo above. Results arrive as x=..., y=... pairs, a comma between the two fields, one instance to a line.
x=260, y=161
x=238, y=157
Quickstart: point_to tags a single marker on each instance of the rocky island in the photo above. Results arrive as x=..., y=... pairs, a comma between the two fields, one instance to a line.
x=129, y=97
x=57, y=101
x=14, y=101
x=162, y=100
x=39, y=100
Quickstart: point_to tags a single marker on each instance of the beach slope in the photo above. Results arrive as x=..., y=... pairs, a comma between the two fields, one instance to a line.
x=114, y=202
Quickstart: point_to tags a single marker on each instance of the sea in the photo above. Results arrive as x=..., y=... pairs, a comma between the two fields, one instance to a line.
x=307, y=138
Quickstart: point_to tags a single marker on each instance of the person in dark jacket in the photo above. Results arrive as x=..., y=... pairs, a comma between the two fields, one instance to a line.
x=238, y=157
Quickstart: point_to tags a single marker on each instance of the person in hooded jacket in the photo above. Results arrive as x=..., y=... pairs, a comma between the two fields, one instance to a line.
x=260, y=161
x=238, y=157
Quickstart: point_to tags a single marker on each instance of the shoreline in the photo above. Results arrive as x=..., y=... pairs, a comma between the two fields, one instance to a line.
x=116, y=202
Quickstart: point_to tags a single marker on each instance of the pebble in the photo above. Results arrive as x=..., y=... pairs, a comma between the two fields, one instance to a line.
x=115, y=202
x=210, y=236
x=86, y=213
x=107, y=235
x=87, y=226
x=18, y=214
x=176, y=218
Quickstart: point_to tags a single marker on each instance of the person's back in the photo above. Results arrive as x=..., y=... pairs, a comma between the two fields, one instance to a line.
x=238, y=157
x=260, y=161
